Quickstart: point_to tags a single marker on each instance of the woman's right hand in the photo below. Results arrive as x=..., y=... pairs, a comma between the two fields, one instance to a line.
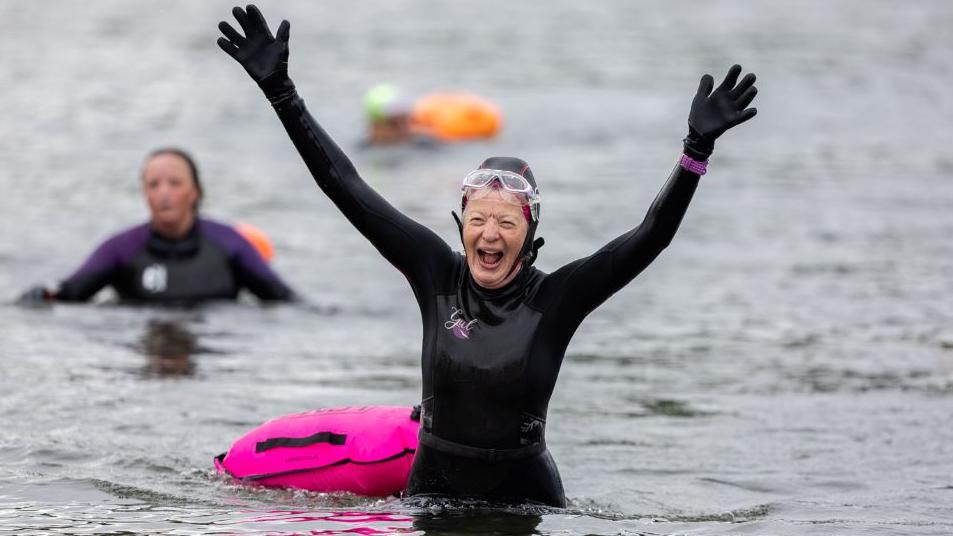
x=35, y=296
x=264, y=57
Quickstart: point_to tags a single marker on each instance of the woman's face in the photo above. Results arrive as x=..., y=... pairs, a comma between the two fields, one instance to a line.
x=493, y=235
x=171, y=193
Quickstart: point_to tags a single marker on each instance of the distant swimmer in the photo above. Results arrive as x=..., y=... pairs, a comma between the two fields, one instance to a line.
x=438, y=117
x=495, y=328
x=176, y=257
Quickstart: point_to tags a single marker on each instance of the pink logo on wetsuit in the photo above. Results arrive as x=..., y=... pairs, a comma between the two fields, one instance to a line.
x=458, y=325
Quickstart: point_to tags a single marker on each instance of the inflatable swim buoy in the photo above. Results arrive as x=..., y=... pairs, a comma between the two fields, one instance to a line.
x=364, y=450
x=257, y=238
x=455, y=116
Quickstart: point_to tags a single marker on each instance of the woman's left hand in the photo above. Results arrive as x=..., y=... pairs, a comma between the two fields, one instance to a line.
x=714, y=112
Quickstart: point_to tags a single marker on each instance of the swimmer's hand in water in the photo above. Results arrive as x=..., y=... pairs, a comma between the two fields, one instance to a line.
x=264, y=56
x=714, y=112
x=35, y=296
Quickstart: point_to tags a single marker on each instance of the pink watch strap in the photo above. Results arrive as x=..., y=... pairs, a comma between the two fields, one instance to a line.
x=690, y=164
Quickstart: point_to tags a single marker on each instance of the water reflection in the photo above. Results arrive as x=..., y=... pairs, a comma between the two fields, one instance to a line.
x=477, y=522
x=168, y=346
x=329, y=523
x=436, y=520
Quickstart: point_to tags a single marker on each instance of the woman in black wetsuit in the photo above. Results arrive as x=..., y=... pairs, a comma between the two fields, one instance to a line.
x=177, y=257
x=495, y=328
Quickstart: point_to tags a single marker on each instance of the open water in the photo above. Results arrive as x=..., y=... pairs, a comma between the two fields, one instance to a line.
x=785, y=368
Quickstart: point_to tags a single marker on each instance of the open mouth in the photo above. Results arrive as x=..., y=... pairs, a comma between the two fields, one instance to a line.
x=490, y=259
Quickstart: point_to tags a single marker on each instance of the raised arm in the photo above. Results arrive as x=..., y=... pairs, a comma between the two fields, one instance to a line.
x=590, y=281
x=409, y=246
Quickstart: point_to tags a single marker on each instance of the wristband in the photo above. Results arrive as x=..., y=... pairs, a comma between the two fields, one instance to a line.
x=690, y=164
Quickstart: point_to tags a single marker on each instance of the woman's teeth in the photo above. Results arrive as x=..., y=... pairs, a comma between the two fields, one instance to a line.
x=490, y=257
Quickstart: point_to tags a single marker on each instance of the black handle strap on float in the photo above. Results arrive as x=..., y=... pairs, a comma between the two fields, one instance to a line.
x=320, y=437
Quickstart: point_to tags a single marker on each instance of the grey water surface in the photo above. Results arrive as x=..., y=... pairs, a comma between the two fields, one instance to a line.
x=784, y=368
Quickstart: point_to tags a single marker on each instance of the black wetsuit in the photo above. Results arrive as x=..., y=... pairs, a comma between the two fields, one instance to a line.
x=212, y=262
x=490, y=357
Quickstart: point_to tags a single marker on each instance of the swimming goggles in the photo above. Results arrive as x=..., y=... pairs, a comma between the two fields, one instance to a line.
x=508, y=181
x=482, y=178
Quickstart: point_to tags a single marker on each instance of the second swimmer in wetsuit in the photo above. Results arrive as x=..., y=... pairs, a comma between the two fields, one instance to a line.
x=495, y=328
x=177, y=257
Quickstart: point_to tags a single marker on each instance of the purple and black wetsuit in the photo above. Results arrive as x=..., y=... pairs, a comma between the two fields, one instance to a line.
x=212, y=262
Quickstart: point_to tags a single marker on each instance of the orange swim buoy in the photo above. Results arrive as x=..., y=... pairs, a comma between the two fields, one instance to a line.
x=454, y=116
x=257, y=238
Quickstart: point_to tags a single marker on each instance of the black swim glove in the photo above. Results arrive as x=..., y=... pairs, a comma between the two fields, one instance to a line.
x=264, y=57
x=35, y=296
x=714, y=112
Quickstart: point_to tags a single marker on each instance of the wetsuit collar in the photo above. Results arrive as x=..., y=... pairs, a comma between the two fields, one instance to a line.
x=166, y=247
x=514, y=286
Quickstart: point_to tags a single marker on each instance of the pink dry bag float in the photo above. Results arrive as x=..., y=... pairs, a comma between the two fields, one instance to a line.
x=364, y=450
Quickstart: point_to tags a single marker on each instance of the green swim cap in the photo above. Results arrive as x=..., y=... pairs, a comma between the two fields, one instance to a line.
x=383, y=101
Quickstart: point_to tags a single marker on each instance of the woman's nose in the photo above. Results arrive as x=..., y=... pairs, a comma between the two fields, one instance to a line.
x=491, y=231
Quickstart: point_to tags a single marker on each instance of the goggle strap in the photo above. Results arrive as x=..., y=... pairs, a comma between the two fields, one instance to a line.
x=457, y=219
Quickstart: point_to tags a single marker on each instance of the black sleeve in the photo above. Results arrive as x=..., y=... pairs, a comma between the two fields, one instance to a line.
x=265, y=285
x=255, y=274
x=581, y=286
x=412, y=248
x=80, y=289
x=96, y=272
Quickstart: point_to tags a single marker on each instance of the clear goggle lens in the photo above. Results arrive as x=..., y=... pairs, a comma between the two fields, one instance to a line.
x=513, y=198
x=511, y=187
